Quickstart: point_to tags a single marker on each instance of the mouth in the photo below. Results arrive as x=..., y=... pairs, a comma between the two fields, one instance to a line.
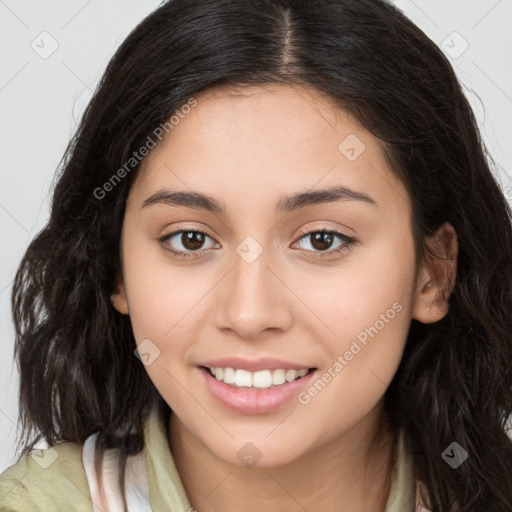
x=259, y=392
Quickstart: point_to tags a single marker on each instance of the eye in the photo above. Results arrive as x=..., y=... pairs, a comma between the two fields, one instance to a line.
x=322, y=241
x=186, y=241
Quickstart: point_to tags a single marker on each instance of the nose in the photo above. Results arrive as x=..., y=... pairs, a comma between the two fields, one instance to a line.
x=253, y=299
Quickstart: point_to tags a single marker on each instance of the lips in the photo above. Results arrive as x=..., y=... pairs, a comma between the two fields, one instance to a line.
x=255, y=386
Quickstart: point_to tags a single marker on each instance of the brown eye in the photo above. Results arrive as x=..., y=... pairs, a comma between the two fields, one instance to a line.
x=192, y=240
x=322, y=241
x=183, y=243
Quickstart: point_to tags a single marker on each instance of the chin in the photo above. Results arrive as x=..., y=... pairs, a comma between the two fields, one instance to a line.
x=258, y=452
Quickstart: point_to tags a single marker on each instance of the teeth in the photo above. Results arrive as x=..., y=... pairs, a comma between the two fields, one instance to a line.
x=243, y=378
x=260, y=380
x=278, y=377
x=229, y=375
x=291, y=375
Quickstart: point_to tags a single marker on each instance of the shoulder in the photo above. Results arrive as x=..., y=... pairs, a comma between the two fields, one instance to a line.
x=46, y=480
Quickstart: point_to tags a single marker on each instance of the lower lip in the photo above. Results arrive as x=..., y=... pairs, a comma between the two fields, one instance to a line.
x=254, y=401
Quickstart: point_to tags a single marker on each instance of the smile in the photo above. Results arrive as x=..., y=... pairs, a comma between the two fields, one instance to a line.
x=255, y=392
x=263, y=379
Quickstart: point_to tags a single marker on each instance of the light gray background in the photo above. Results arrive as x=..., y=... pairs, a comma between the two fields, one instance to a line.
x=42, y=99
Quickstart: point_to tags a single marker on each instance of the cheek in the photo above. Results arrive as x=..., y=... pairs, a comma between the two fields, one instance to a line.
x=162, y=296
x=164, y=303
x=364, y=291
x=361, y=364
x=367, y=305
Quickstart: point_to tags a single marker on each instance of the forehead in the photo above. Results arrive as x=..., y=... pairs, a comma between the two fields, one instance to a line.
x=270, y=138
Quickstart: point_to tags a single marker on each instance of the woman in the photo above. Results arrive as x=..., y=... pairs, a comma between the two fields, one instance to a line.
x=285, y=209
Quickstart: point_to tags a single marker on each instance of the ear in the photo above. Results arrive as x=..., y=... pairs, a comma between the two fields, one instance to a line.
x=437, y=276
x=118, y=297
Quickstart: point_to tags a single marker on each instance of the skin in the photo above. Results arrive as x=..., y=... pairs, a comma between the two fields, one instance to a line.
x=294, y=302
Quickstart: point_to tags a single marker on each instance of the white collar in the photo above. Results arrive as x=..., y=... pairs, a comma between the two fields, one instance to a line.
x=104, y=488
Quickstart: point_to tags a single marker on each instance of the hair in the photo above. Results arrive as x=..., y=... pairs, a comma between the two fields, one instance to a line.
x=75, y=352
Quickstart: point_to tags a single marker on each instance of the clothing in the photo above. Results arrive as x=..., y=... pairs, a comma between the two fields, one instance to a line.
x=152, y=481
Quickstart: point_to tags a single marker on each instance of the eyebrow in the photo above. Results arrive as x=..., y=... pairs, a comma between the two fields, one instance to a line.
x=285, y=205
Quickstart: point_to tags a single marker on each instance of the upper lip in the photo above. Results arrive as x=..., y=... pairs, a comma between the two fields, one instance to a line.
x=254, y=365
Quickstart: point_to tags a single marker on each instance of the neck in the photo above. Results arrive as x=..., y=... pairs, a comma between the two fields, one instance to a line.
x=348, y=474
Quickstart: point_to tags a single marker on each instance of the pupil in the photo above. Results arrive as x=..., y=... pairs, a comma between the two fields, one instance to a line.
x=192, y=240
x=322, y=240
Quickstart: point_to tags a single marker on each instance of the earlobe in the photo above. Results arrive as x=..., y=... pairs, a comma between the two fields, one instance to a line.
x=437, y=277
x=119, y=299
x=429, y=305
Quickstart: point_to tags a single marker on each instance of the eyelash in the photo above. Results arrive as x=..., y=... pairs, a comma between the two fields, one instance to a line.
x=348, y=241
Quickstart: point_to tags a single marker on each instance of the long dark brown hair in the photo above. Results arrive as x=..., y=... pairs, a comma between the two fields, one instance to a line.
x=75, y=353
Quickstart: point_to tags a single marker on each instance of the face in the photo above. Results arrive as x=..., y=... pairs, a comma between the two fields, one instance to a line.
x=265, y=287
